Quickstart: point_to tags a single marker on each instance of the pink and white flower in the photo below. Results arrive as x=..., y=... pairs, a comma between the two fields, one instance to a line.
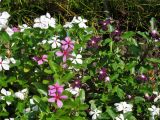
x=55, y=42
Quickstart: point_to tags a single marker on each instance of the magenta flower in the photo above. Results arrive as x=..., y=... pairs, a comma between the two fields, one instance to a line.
x=57, y=98
x=93, y=43
x=55, y=88
x=67, y=43
x=102, y=74
x=41, y=59
x=64, y=53
x=142, y=78
x=104, y=24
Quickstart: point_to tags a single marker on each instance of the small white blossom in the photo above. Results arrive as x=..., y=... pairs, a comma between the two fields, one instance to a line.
x=81, y=22
x=12, y=60
x=4, y=19
x=55, y=42
x=95, y=113
x=68, y=25
x=77, y=59
x=23, y=27
x=5, y=93
x=154, y=111
x=74, y=91
x=157, y=96
x=4, y=64
x=123, y=106
x=21, y=94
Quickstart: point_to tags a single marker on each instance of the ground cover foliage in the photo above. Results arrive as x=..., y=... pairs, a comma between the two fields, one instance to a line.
x=73, y=68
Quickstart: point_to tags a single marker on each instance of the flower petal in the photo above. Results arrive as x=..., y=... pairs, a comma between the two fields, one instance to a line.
x=63, y=97
x=5, y=66
x=51, y=100
x=59, y=103
x=40, y=62
x=64, y=58
x=59, y=53
x=79, y=61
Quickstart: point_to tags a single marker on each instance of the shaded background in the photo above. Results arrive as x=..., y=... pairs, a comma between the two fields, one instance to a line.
x=131, y=14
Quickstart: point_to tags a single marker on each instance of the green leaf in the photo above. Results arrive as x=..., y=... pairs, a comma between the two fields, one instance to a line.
x=139, y=99
x=120, y=93
x=110, y=112
x=41, y=88
x=67, y=77
x=85, y=78
x=128, y=34
x=20, y=106
x=48, y=71
x=155, y=60
x=4, y=37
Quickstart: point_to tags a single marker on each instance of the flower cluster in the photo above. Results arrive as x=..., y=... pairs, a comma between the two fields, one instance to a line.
x=124, y=107
x=55, y=92
x=44, y=22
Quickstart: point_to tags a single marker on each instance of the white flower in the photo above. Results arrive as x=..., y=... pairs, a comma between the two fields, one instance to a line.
x=9, y=31
x=4, y=19
x=68, y=25
x=21, y=94
x=95, y=113
x=74, y=91
x=74, y=20
x=23, y=27
x=120, y=117
x=55, y=42
x=4, y=64
x=154, y=110
x=77, y=59
x=44, y=21
x=5, y=93
x=81, y=22
x=157, y=96
x=12, y=60
x=123, y=106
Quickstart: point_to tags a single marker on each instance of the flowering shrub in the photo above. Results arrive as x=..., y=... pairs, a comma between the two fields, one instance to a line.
x=73, y=71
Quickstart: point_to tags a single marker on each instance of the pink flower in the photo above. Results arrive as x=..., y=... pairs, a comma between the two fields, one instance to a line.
x=41, y=59
x=55, y=88
x=15, y=29
x=64, y=53
x=57, y=98
x=67, y=43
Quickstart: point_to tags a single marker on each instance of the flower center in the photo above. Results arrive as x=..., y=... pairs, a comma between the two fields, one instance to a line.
x=64, y=52
x=57, y=96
